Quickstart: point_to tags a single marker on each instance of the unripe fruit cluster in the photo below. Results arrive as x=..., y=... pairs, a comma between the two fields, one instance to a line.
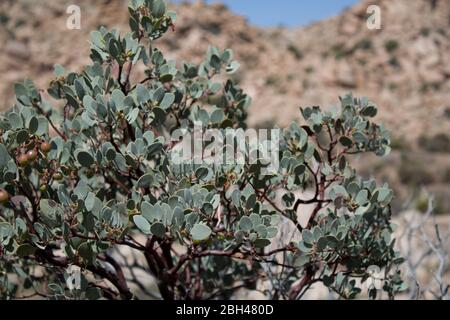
x=32, y=155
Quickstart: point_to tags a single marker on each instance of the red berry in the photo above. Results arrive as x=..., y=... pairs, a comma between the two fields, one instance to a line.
x=22, y=160
x=46, y=147
x=32, y=155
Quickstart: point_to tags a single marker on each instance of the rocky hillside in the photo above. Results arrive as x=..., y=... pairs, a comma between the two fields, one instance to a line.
x=404, y=67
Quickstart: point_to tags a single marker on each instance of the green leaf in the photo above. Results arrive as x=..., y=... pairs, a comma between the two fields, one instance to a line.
x=256, y=219
x=200, y=232
x=25, y=250
x=317, y=233
x=328, y=280
x=332, y=241
x=89, y=103
x=159, y=94
x=20, y=90
x=86, y=252
x=369, y=111
x=15, y=120
x=90, y=201
x=164, y=78
x=142, y=224
x=261, y=230
x=22, y=136
x=340, y=191
x=4, y=156
x=246, y=224
x=118, y=98
x=201, y=173
x=159, y=8
x=145, y=181
x=82, y=189
x=236, y=197
x=215, y=62
x=262, y=243
x=300, y=170
x=385, y=196
x=133, y=115
x=167, y=101
x=158, y=229
x=34, y=125
x=59, y=71
x=178, y=217
x=79, y=89
x=307, y=236
x=362, y=197
x=353, y=188
x=85, y=159
x=72, y=101
x=111, y=154
x=142, y=94
x=43, y=126
x=272, y=232
x=217, y=116
x=97, y=39
x=149, y=212
x=346, y=141
x=322, y=244
x=360, y=137
x=227, y=55
x=48, y=208
x=251, y=202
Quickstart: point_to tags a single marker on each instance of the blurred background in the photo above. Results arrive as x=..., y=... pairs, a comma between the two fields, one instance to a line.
x=293, y=53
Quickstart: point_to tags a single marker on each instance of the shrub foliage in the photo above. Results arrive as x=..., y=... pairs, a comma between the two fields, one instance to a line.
x=81, y=183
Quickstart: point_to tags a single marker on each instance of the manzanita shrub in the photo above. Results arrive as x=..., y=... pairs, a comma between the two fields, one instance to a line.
x=80, y=183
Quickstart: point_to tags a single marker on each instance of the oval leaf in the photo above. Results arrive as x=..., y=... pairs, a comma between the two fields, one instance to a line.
x=200, y=232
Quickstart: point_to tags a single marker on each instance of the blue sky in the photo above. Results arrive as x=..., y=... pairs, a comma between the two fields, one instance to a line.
x=289, y=13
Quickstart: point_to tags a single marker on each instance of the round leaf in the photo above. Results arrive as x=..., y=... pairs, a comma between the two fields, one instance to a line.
x=245, y=224
x=142, y=224
x=85, y=159
x=200, y=232
x=158, y=229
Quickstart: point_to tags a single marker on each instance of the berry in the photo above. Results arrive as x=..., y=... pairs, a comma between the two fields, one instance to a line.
x=46, y=147
x=22, y=160
x=4, y=196
x=57, y=176
x=32, y=155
